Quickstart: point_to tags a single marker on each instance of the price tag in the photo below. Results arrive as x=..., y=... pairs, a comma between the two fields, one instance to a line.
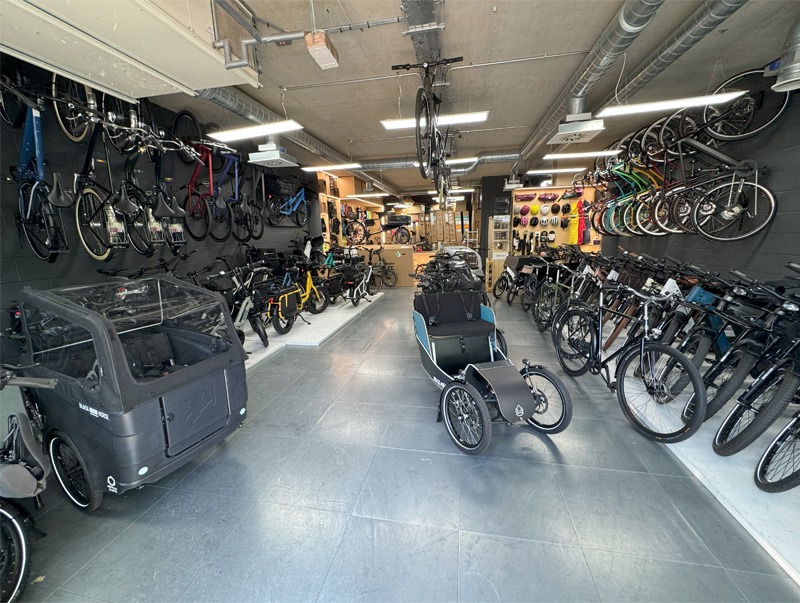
x=613, y=275
x=527, y=269
x=670, y=287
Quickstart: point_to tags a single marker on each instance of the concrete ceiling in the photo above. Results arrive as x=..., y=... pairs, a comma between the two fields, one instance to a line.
x=345, y=114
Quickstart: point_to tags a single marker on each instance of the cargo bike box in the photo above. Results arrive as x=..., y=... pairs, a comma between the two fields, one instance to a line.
x=150, y=374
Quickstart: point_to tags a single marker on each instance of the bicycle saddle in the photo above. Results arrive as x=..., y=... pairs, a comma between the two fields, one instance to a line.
x=162, y=210
x=124, y=204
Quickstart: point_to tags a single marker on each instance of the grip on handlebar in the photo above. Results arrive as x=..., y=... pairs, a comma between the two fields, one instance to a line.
x=742, y=276
x=793, y=266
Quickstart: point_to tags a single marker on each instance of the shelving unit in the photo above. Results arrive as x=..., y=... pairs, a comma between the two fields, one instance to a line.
x=563, y=235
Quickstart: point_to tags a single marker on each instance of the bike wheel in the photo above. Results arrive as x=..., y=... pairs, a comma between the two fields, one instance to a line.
x=645, y=380
x=259, y=329
x=136, y=225
x=466, y=417
x=73, y=473
x=402, y=236
x=15, y=561
x=543, y=302
x=196, y=216
x=733, y=211
x=511, y=294
x=749, y=114
x=575, y=341
x=282, y=325
x=355, y=232
x=502, y=344
x=553, y=403
x=374, y=284
x=389, y=277
x=256, y=217
x=186, y=129
x=500, y=287
x=116, y=112
x=301, y=213
x=274, y=214
x=527, y=297
x=730, y=376
x=746, y=422
x=423, y=133
x=778, y=470
x=219, y=221
x=240, y=223
x=72, y=118
x=317, y=300
x=90, y=218
x=39, y=227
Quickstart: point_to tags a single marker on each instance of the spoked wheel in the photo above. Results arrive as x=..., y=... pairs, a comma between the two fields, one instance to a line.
x=219, y=220
x=70, y=116
x=186, y=129
x=553, y=403
x=282, y=325
x=138, y=232
x=402, y=236
x=259, y=329
x=575, y=340
x=778, y=469
x=90, y=217
x=730, y=375
x=389, y=277
x=196, y=216
x=117, y=114
x=256, y=218
x=354, y=232
x=274, y=214
x=39, y=227
x=73, y=474
x=502, y=345
x=646, y=393
x=500, y=287
x=424, y=133
x=240, y=223
x=733, y=211
x=543, y=303
x=746, y=422
x=466, y=417
x=301, y=213
x=374, y=284
x=317, y=301
x=749, y=114
x=15, y=561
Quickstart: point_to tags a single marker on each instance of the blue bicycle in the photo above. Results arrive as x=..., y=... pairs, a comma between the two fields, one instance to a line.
x=296, y=206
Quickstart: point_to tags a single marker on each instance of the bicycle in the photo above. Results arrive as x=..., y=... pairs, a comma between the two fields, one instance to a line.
x=39, y=219
x=196, y=204
x=650, y=378
x=226, y=212
x=381, y=269
x=778, y=469
x=357, y=231
x=431, y=144
x=296, y=205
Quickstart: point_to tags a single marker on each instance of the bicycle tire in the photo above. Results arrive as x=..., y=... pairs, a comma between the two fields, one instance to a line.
x=15, y=551
x=136, y=226
x=196, y=219
x=274, y=214
x=543, y=305
x=317, y=301
x=259, y=329
x=256, y=218
x=389, y=277
x=423, y=130
x=528, y=292
x=374, y=284
x=73, y=473
x=731, y=376
x=219, y=221
x=186, y=129
x=402, y=236
x=647, y=399
x=575, y=342
x=355, y=232
x=749, y=114
x=559, y=400
x=500, y=286
x=715, y=213
x=90, y=220
x=695, y=347
x=38, y=228
x=116, y=112
x=241, y=228
x=511, y=294
x=778, y=469
x=745, y=423
x=74, y=123
x=282, y=325
x=500, y=340
x=466, y=417
x=12, y=110
x=300, y=214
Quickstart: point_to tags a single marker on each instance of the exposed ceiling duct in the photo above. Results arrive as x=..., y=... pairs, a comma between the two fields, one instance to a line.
x=411, y=162
x=420, y=13
x=244, y=106
x=629, y=22
x=702, y=22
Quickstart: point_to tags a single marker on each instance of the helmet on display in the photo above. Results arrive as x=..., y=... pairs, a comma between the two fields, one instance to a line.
x=555, y=208
x=524, y=210
x=551, y=236
x=516, y=209
x=545, y=209
x=566, y=208
x=515, y=221
x=534, y=221
x=564, y=222
x=534, y=209
x=524, y=220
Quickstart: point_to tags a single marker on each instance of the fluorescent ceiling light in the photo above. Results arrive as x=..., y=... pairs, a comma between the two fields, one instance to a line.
x=582, y=155
x=670, y=105
x=453, y=190
x=557, y=170
x=443, y=120
x=341, y=166
x=401, y=205
x=455, y=198
x=461, y=160
x=367, y=195
x=275, y=127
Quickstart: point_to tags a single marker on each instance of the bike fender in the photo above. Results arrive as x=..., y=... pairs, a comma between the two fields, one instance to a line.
x=755, y=389
x=514, y=399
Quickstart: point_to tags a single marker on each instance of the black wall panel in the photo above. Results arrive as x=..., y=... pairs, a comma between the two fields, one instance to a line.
x=763, y=255
x=19, y=267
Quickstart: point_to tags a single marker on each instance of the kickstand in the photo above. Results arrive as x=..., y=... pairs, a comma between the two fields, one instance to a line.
x=300, y=316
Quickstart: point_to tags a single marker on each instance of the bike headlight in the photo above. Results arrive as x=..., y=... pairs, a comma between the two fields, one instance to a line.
x=741, y=291
x=790, y=306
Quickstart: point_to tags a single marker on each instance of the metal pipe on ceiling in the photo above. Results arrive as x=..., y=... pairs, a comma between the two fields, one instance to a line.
x=234, y=101
x=702, y=22
x=629, y=22
x=411, y=162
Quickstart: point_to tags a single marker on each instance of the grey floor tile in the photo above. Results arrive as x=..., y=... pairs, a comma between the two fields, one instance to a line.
x=517, y=499
x=412, y=487
x=416, y=428
x=276, y=553
x=322, y=475
x=159, y=559
x=401, y=366
x=387, y=561
x=390, y=389
x=34, y=593
x=728, y=541
x=626, y=578
x=519, y=442
x=62, y=596
x=593, y=443
x=616, y=511
x=762, y=587
x=656, y=457
x=292, y=416
x=494, y=568
x=353, y=423
x=74, y=538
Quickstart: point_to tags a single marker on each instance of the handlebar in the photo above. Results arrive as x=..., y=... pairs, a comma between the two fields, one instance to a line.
x=8, y=377
x=426, y=65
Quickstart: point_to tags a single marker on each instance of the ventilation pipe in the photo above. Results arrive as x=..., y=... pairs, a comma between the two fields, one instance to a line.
x=629, y=22
x=789, y=72
x=411, y=162
x=702, y=22
x=244, y=106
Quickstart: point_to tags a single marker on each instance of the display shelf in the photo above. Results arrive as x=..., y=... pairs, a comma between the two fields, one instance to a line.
x=565, y=233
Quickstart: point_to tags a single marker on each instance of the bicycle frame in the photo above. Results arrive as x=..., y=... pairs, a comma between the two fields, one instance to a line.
x=289, y=206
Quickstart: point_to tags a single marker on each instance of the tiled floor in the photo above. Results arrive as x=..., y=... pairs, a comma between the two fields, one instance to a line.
x=341, y=486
